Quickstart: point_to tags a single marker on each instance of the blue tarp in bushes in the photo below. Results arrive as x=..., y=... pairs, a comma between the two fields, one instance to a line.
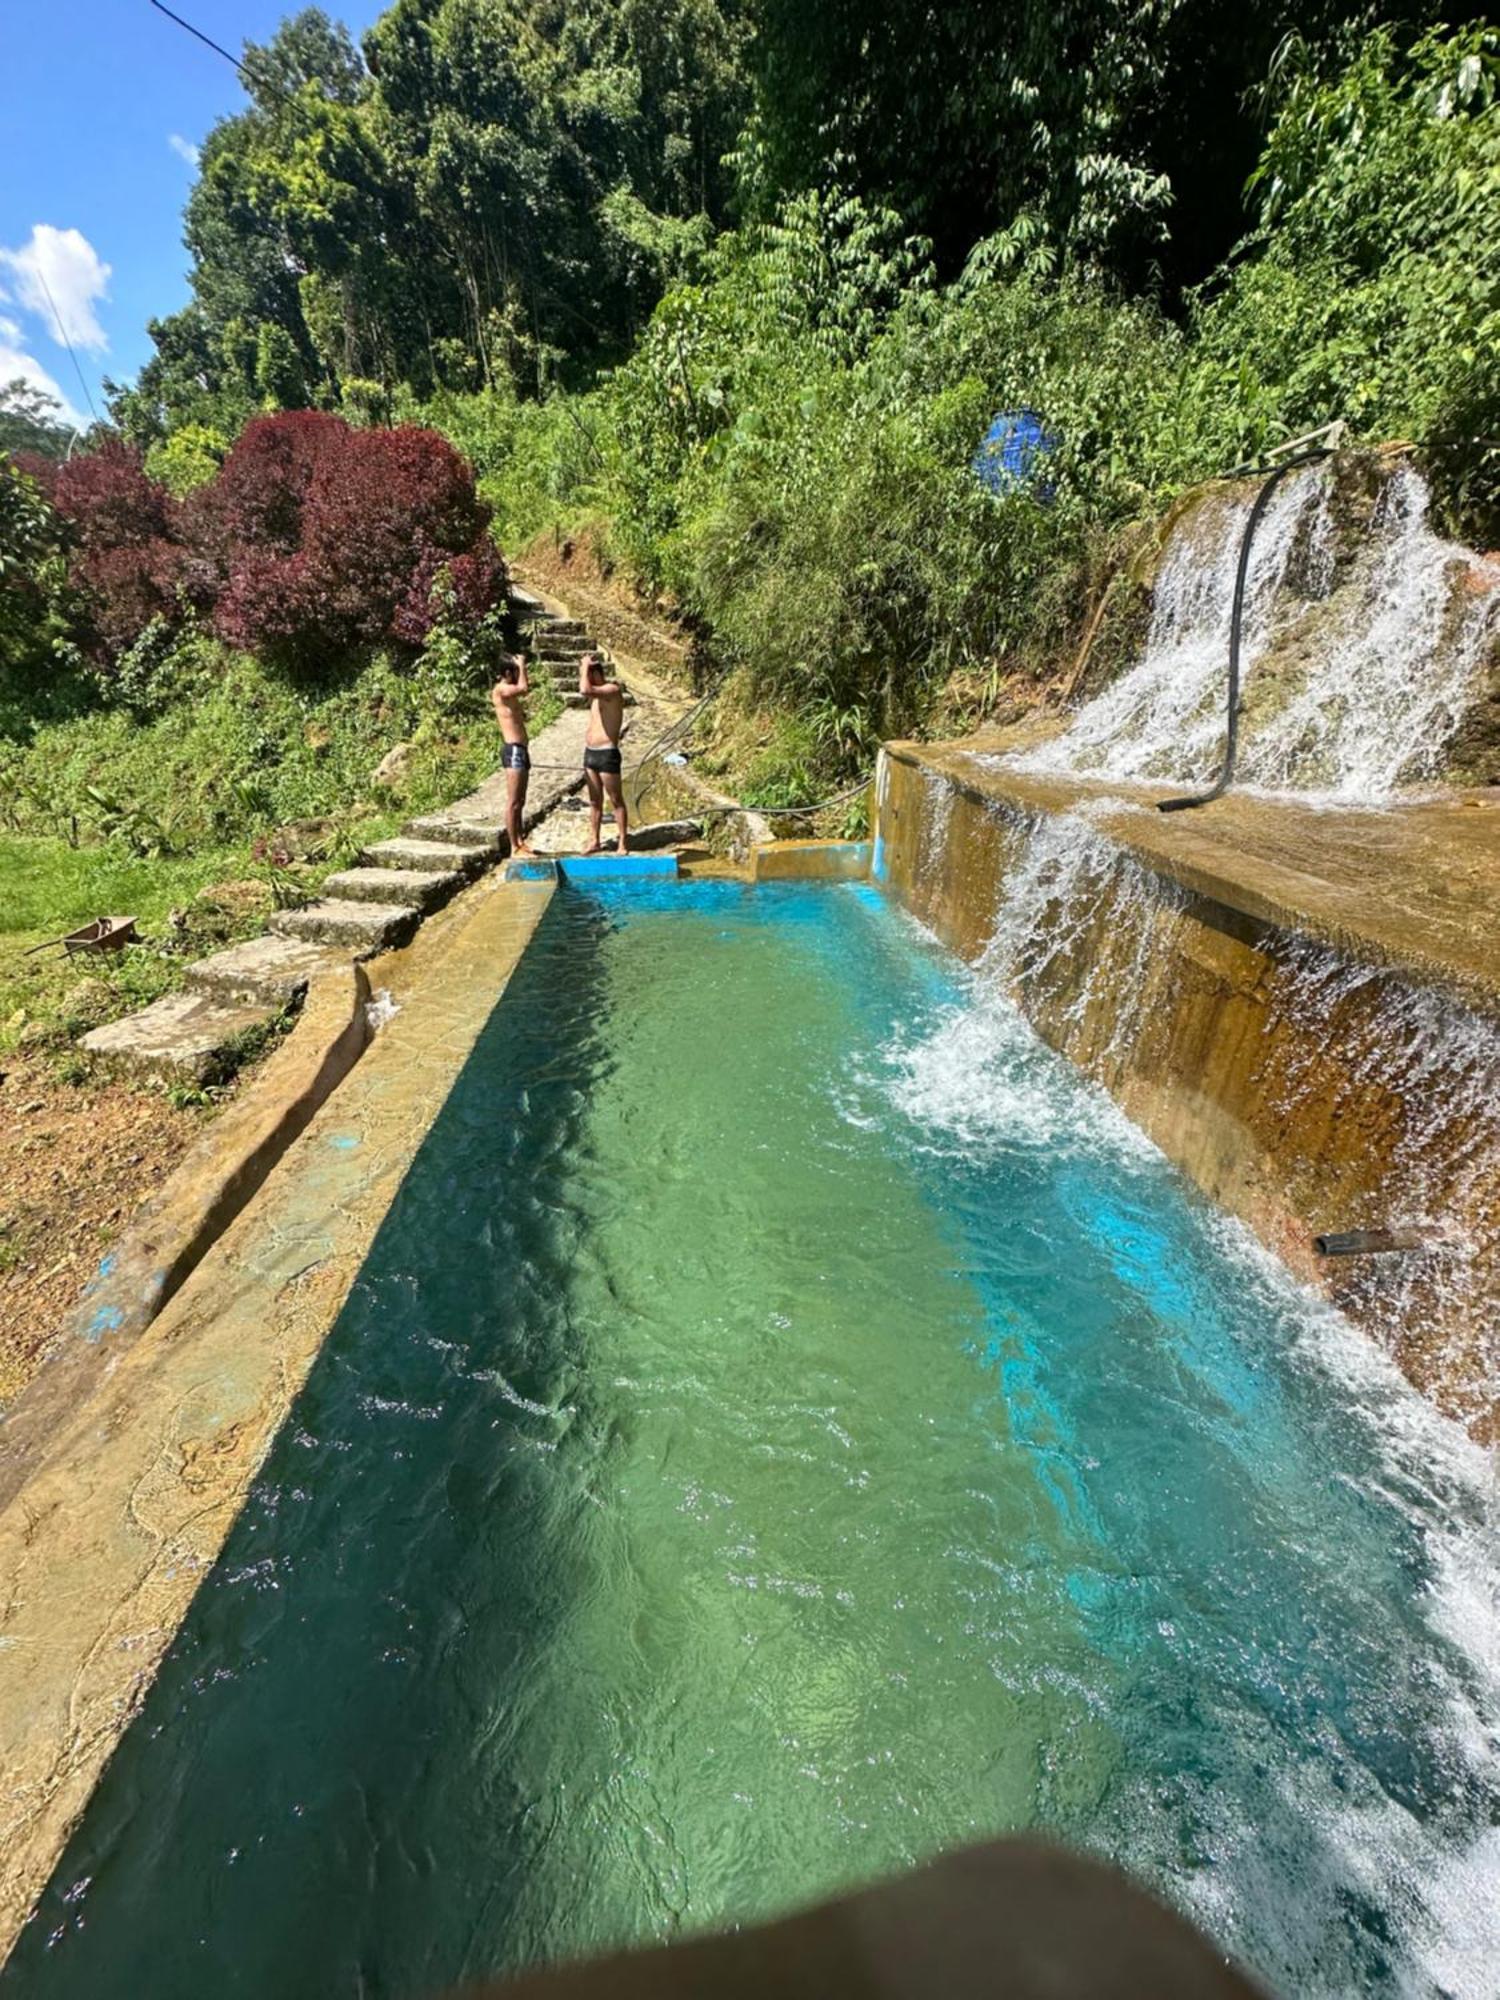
x=1014, y=448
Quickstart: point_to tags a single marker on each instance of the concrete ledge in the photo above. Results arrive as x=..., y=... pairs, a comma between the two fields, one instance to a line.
x=812, y=861
x=1296, y=1003
x=193, y=1208
x=1409, y=887
x=103, y=1547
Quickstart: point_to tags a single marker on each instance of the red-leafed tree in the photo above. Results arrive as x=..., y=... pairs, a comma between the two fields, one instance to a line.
x=313, y=540
x=125, y=562
x=326, y=538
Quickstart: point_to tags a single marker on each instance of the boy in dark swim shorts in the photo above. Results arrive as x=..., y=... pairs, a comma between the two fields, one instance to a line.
x=602, y=763
x=507, y=695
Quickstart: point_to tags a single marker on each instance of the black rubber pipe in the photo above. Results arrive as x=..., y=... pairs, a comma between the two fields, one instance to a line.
x=1236, y=622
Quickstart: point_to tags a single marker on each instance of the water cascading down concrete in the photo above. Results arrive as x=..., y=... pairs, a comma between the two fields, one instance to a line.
x=1296, y=990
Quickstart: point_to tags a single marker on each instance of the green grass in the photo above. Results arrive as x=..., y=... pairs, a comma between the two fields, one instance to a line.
x=50, y=887
x=112, y=814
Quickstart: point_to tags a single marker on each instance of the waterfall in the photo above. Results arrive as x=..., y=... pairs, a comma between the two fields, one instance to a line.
x=1364, y=642
x=1408, y=1045
x=1306, y=1091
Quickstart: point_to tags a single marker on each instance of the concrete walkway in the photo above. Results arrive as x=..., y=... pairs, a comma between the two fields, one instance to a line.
x=378, y=904
x=105, y=1542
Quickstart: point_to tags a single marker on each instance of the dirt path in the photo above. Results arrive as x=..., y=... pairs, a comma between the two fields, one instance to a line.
x=76, y=1161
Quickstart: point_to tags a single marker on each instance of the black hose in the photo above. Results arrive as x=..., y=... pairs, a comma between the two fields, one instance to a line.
x=1236, y=622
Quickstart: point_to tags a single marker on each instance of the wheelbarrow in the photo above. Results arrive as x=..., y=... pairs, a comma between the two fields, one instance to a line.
x=103, y=934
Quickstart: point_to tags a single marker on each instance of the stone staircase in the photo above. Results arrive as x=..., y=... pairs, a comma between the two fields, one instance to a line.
x=555, y=644
x=362, y=910
x=372, y=907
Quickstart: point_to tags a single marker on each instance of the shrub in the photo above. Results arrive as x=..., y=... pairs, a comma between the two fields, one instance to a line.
x=323, y=539
x=125, y=563
x=1372, y=289
x=36, y=659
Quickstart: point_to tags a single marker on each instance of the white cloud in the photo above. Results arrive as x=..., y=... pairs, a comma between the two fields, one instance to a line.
x=183, y=148
x=15, y=361
x=59, y=276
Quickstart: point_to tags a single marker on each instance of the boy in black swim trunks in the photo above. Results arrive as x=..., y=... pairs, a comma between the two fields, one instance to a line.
x=507, y=695
x=601, y=749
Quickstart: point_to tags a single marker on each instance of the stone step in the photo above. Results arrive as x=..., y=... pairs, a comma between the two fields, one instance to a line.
x=421, y=889
x=526, y=603
x=486, y=834
x=558, y=626
x=423, y=856
x=270, y=969
x=362, y=928
x=181, y=1036
x=663, y=833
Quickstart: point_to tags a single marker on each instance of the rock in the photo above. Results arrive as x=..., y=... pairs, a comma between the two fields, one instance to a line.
x=393, y=766
x=664, y=833
x=306, y=839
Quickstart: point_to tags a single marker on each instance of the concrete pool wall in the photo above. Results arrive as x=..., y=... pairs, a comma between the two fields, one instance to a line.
x=106, y=1541
x=1300, y=1006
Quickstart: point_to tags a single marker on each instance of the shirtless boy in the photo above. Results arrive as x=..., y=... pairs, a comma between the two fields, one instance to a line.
x=507, y=695
x=601, y=752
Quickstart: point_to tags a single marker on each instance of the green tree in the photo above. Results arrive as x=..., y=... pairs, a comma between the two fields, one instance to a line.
x=30, y=420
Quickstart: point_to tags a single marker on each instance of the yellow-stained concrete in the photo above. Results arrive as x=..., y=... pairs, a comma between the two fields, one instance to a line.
x=103, y=1546
x=1414, y=886
x=812, y=861
x=1351, y=1099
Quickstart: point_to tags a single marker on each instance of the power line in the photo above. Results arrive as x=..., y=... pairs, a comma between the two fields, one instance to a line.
x=254, y=82
x=62, y=334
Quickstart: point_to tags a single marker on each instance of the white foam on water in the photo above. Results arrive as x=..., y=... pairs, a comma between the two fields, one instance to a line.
x=981, y=1079
x=1442, y=1891
x=980, y=1082
x=1394, y=645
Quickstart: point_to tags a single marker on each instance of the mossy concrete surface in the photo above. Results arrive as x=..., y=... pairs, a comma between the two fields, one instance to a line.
x=1412, y=887
x=105, y=1540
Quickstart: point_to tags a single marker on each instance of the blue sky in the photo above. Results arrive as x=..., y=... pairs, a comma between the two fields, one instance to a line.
x=101, y=104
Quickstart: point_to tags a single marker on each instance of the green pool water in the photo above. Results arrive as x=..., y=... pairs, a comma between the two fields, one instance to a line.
x=788, y=1424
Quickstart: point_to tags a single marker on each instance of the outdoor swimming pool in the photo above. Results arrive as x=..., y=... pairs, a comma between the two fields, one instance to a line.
x=789, y=1423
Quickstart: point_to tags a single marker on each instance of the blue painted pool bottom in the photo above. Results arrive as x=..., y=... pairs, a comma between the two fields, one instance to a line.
x=787, y=1424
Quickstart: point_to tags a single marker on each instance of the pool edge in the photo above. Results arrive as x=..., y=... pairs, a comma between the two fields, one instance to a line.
x=104, y=1546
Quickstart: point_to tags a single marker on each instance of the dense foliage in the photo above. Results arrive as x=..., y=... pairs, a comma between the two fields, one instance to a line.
x=494, y=188
x=743, y=284
x=34, y=649
x=318, y=539
x=787, y=452
x=29, y=421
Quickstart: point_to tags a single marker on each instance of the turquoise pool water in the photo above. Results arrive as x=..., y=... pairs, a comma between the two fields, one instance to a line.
x=788, y=1423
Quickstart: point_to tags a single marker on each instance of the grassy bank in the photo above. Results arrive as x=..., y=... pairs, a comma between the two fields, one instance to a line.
x=233, y=791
